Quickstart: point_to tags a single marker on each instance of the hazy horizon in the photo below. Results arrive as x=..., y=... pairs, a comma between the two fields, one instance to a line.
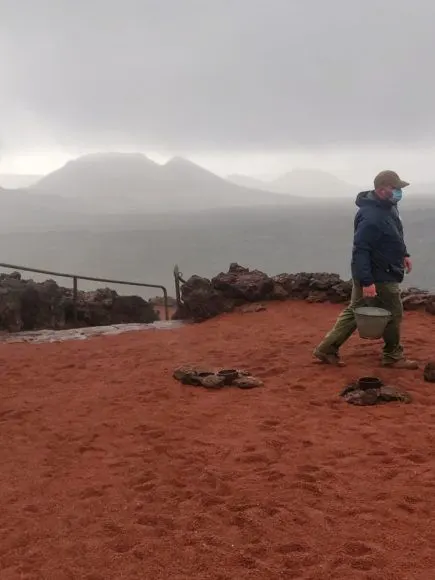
x=355, y=166
x=26, y=179
x=121, y=184
x=275, y=240
x=257, y=88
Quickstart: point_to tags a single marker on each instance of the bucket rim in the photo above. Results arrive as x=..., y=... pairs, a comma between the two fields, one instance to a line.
x=375, y=311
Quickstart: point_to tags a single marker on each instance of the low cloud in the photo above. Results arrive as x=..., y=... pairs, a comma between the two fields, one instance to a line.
x=197, y=75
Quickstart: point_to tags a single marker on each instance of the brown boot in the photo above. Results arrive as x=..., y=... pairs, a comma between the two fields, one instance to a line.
x=328, y=359
x=401, y=364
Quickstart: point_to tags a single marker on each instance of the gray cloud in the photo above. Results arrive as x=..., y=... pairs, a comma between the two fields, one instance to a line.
x=213, y=74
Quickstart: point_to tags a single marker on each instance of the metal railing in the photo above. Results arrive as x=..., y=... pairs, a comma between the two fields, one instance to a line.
x=76, y=277
x=178, y=278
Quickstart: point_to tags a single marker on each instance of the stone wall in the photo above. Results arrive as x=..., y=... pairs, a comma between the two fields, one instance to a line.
x=203, y=298
x=29, y=305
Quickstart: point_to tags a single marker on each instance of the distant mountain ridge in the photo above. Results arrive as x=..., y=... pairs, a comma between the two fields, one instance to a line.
x=123, y=182
x=299, y=182
x=98, y=188
x=104, y=188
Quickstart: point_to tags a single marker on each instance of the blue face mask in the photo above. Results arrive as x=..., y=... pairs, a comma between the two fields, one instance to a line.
x=396, y=195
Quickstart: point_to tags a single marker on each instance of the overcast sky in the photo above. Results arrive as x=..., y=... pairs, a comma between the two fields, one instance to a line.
x=236, y=83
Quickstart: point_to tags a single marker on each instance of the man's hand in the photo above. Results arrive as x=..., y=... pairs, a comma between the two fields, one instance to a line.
x=369, y=291
x=407, y=262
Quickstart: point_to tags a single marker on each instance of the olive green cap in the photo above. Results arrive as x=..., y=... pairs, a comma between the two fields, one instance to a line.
x=389, y=178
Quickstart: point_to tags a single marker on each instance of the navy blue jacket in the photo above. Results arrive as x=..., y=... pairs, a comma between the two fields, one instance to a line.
x=379, y=249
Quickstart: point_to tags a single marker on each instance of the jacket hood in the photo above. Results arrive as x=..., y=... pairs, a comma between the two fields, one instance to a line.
x=367, y=198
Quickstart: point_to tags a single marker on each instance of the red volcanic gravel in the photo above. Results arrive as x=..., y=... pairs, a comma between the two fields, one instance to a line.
x=111, y=469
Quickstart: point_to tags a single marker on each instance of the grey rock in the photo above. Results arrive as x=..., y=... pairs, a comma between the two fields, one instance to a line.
x=248, y=382
x=244, y=284
x=26, y=305
x=429, y=372
x=248, y=308
x=355, y=395
x=203, y=298
x=213, y=381
x=388, y=394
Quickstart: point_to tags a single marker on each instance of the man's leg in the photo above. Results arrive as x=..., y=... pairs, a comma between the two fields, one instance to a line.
x=343, y=329
x=389, y=298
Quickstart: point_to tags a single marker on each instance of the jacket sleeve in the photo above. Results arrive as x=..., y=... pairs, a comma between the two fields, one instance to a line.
x=406, y=253
x=366, y=239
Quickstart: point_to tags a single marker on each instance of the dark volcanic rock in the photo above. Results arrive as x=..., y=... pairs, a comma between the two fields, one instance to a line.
x=244, y=284
x=362, y=398
x=202, y=301
x=249, y=308
x=42, y=306
x=203, y=298
x=316, y=287
x=356, y=394
x=278, y=292
x=317, y=296
x=28, y=305
x=387, y=394
x=430, y=305
x=415, y=301
x=297, y=286
x=429, y=372
x=209, y=379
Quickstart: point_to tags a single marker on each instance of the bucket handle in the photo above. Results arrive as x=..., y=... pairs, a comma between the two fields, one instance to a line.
x=370, y=301
x=366, y=302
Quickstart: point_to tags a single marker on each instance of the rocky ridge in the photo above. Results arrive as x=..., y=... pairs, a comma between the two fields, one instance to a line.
x=26, y=305
x=203, y=298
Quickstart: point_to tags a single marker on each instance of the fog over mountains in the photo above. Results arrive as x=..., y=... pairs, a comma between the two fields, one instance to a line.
x=93, y=187
x=16, y=181
x=123, y=216
x=302, y=182
x=124, y=183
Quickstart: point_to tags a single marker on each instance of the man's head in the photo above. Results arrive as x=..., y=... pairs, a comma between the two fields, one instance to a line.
x=388, y=185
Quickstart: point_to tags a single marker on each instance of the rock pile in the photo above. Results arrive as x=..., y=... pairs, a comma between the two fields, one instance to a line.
x=203, y=298
x=415, y=299
x=210, y=379
x=362, y=393
x=27, y=305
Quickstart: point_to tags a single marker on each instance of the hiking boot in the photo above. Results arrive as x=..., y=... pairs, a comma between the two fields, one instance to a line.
x=401, y=364
x=328, y=358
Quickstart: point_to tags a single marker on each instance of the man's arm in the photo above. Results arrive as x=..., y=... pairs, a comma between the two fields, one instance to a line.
x=407, y=262
x=366, y=239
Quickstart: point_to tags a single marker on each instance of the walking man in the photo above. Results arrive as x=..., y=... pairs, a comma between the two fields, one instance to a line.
x=379, y=262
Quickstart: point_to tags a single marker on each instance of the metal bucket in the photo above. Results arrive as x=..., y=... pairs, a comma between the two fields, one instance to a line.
x=367, y=383
x=371, y=321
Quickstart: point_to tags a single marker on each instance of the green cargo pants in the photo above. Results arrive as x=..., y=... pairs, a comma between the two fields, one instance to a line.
x=388, y=297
